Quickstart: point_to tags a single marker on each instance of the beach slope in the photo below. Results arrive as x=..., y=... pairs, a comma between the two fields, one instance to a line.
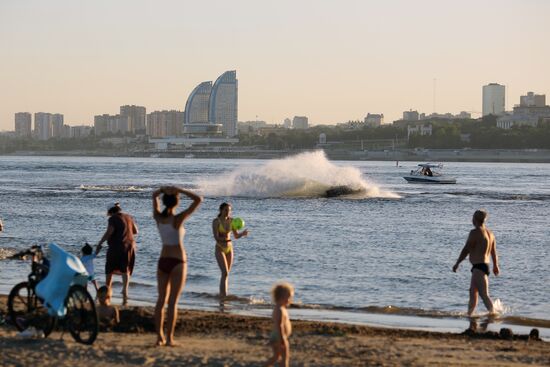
x=220, y=339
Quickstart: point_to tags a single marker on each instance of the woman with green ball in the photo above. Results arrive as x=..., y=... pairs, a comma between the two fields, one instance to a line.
x=222, y=227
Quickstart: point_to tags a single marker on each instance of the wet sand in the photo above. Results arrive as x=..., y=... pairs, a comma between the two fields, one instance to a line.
x=220, y=339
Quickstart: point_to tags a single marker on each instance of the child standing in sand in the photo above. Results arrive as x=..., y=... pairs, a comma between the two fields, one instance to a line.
x=107, y=313
x=282, y=296
x=88, y=261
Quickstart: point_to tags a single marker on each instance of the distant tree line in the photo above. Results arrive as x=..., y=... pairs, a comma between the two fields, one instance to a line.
x=446, y=134
x=11, y=145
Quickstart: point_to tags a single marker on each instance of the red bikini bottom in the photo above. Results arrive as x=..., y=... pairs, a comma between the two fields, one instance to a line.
x=167, y=264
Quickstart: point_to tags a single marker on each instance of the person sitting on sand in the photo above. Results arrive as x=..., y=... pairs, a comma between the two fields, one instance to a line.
x=108, y=314
x=221, y=228
x=172, y=264
x=481, y=245
x=282, y=328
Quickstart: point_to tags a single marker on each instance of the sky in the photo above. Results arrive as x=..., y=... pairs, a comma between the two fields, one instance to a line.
x=331, y=60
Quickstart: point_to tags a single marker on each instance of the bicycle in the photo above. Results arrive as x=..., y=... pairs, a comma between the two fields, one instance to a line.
x=77, y=310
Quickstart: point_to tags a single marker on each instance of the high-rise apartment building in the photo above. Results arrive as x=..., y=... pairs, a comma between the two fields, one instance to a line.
x=57, y=125
x=223, y=103
x=138, y=117
x=23, y=124
x=111, y=124
x=493, y=99
x=43, y=125
x=196, y=107
x=300, y=122
x=161, y=124
x=80, y=131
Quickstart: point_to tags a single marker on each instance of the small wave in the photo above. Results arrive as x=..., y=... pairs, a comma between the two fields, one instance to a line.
x=410, y=311
x=437, y=314
x=306, y=175
x=113, y=188
x=501, y=196
x=251, y=300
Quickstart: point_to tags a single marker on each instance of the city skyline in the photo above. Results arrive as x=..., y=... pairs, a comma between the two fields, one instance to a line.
x=331, y=62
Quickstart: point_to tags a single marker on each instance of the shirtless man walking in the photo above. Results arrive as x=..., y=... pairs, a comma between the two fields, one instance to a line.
x=480, y=245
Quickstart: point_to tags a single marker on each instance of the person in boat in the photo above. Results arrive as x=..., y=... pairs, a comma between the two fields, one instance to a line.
x=172, y=264
x=480, y=247
x=221, y=228
x=428, y=172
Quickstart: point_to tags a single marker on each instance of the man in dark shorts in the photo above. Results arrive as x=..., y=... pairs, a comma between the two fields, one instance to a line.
x=481, y=247
x=121, y=252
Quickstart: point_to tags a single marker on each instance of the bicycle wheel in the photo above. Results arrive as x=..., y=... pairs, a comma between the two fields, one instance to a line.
x=81, y=319
x=26, y=310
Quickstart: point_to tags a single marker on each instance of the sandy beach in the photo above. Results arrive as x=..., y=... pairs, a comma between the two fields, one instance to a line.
x=221, y=339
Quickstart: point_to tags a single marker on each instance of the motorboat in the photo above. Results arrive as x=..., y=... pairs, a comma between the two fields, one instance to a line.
x=429, y=173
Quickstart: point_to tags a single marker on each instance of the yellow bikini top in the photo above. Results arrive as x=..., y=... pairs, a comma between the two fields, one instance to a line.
x=222, y=229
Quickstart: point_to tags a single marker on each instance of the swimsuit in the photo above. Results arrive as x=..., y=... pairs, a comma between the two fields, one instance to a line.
x=228, y=247
x=484, y=267
x=170, y=236
x=167, y=264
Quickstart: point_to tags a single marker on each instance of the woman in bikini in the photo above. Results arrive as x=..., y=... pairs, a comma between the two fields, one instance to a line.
x=221, y=228
x=172, y=265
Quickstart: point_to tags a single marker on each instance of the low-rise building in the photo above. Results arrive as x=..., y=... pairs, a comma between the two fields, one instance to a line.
x=287, y=123
x=419, y=130
x=250, y=126
x=374, y=119
x=352, y=125
x=300, y=122
x=532, y=100
x=530, y=112
x=411, y=115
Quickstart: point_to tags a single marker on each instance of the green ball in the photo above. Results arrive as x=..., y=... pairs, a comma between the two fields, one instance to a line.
x=237, y=224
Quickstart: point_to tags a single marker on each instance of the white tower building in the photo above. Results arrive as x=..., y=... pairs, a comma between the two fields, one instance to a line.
x=493, y=99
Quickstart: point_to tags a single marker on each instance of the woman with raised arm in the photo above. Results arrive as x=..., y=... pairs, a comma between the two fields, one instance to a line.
x=221, y=228
x=172, y=264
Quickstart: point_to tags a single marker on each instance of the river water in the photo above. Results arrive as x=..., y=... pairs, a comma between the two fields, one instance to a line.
x=392, y=244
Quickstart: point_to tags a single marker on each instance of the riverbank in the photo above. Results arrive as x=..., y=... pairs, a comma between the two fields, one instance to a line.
x=415, y=155
x=221, y=339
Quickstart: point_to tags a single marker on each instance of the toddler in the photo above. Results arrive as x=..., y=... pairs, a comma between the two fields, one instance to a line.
x=282, y=294
x=88, y=262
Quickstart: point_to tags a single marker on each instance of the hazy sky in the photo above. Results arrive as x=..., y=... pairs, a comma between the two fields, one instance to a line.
x=330, y=60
